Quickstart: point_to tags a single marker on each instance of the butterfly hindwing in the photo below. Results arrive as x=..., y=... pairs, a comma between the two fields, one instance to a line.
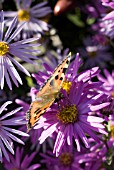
x=48, y=93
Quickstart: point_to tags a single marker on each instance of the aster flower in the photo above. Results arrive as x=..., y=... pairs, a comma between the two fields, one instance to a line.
x=67, y=160
x=95, y=54
x=100, y=156
x=7, y=132
x=72, y=119
x=19, y=49
x=32, y=16
x=21, y=161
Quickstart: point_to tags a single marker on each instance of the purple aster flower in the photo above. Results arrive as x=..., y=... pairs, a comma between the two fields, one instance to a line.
x=108, y=83
x=20, y=49
x=67, y=160
x=100, y=156
x=7, y=132
x=21, y=161
x=94, y=54
x=32, y=15
x=74, y=117
x=107, y=21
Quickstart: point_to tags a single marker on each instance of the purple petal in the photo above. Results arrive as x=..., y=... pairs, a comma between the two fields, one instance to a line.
x=8, y=79
x=47, y=133
x=24, y=41
x=16, y=131
x=2, y=108
x=69, y=135
x=11, y=27
x=2, y=71
x=14, y=138
x=1, y=25
x=11, y=113
x=4, y=150
x=39, y=5
x=33, y=167
x=7, y=144
x=109, y=16
x=81, y=134
x=16, y=32
x=13, y=72
x=99, y=106
x=77, y=140
x=19, y=66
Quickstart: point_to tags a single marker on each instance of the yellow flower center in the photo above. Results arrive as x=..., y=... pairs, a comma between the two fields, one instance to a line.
x=112, y=131
x=4, y=48
x=66, y=159
x=23, y=15
x=68, y=114
x=66, y=85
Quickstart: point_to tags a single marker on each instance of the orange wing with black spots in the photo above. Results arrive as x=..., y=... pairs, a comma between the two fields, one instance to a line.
x=48, y=93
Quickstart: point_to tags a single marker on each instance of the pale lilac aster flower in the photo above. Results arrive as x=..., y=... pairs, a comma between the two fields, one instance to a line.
x=67, y=160
x=7, y=132
x=32, y=15
x=20, y=49
x=79, y=103
x=21, y=161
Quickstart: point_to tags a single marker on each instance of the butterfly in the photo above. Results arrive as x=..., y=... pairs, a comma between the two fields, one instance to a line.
x=47, y=93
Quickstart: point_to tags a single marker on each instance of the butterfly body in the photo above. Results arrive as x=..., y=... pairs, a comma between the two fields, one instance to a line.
x=47, y=94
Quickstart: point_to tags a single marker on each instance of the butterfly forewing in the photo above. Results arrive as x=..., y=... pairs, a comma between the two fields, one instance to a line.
x=48, y=93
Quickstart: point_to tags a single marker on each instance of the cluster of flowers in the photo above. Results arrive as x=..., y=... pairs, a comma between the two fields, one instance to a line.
x=77, y=131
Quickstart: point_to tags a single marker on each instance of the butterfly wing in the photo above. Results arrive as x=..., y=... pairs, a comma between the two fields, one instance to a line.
x=48, y=93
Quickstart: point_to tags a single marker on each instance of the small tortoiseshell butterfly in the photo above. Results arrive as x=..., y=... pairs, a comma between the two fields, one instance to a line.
x=48, y=93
